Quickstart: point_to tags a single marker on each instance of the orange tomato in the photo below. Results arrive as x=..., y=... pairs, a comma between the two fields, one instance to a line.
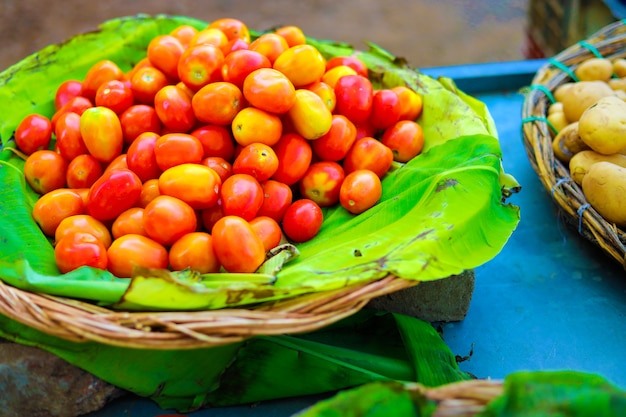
x=195, y=184
x=270, y=45
x=335, y=144
x=83, y=171
x=405, y=139
x=238, y=64
x=146, y=82
x=45, y=171
x=128, y=222
x=360, y=191
x=173, y=106
x=322, y=182
x=177, y=148
x=233, y=28
x=167, y=219
x=99, y=73
x=200, y=65
x=83, y=223
x=294, y=155
x=149, y=191
x=302, y=64
x=270, y=90
x=184, y=33
x=255, y=125
x=411, y=103
x=268, y=230
x=326, y=93
x=194, y=251
x=237, y=246
x=102, y=133
x=241, y=195
x=368, y=153
x=292, y=34
x=130, y=251
x=80, y=249
x=164, y=52
x=217, y=103
x=209, y=36
x=54, y=206
x=349, y=61
x=256, y=159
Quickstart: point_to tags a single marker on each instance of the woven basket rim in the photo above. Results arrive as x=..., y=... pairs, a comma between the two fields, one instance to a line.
x=608, y=42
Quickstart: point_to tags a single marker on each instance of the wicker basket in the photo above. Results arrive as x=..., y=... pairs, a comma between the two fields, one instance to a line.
x=609, y=42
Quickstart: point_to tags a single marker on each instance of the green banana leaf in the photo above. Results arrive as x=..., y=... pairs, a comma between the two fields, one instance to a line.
x=368, y=346
x=440, y=214
x=528, y=393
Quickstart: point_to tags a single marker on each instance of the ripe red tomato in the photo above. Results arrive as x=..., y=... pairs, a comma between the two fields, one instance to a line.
x=167, y=219
x=216, y=141
x=321, y=183
x=258, y=160
x=102, y=133
x=268, y=230
x=368, y=153
x=33, y=133
x=405, y=139
x=195, y=251
x=242, y=196
x=129, y=222
x=208, y=217
x=69, y=142
x=173, y=106
x=237, y=246
x=54, y=206
x=238, y=64
x=114, y=192
x=294, y=155
x=83, y=171
x=200, y=65
x=130, y=251
x=335, y=144
x=164, y=52
x=67, y=90
x=222, y=167
x=76, y=104
x=99, y=73
x=217, y=103
x=141, y=158
x=177, y=148
x=277, y=197
x=354, y=97
x=386, y=108
x=116, y=95
x=360, y=191
x=195, y=184
x=80, y=249
x=302, y=220
x=270, y=90
x=83, y=223
x=45, y=171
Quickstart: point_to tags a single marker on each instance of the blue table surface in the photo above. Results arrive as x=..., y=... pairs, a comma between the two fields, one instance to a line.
x=549, y=300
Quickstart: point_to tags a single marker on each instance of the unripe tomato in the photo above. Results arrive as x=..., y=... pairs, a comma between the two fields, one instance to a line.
x=54, y=206
x=173, y=106
x=194, y=251
x=141, y=158
x=114, y=192
x=177, y=148
x=217, y=103
x=335, y=144
x=270, y=90
x=354, y=95
x=294, y=155
x=83, y=223
x=130, y=251
x=45, y=171
x=242, y=196
x=102, y=133
x=360, y=191
x=321, y=183
x=164, y=52
x=277, y=197
x=200, y=65
x=69, y=142
x=303, y=220
x=256, y=159
x=255, y=125
x=368, y=153
x=302, y=64
x=195, y=184
x=268, y=230
x=326, y=93
x=167, y=219
x=238, y=64
x=80, y=249
x=99, y=73
x=237, y=246
x=309, y=115
x=405, y=139
x=83, y=171
x=33, y=133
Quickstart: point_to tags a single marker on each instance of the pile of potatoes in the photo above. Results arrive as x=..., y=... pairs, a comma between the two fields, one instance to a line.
x=590, y=118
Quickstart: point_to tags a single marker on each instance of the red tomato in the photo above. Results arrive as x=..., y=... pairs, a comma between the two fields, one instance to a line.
x=130, y=251
x=200, y=65
x=268, y=230
x=113, y=193
x=234, y=45
x=294, y=155
x=210, y=216
x=386, y=108
x=54, y=206
x=83, y=223
x=194, y=251
x=141, y=158
x=69, y=142
x=80, y=249
x=242, y=196
x=83, y=171
x=167, y=219
x=368, y=153
x=350, y=61
x=360, y=191
x=238, y=64
x=216, y=141
x=277, y=197
x=354, y=95
x=102, y=133
x=217, y=103
x=149, y=191
x=33, y=133
x=269, y=45
x=45, y=171
x=195, y=184
x=303, y=220
x=118, y=163
x=258, y=160
x=177, y=148
x=331, y=76
x=129, y=222
x=270, y=90
x=146, y=82
x=99, y=73
x=164, y=52
x=173, y=106
x=302, y=64
x=138, y=119
x=322, y=182
x=76, y=104
x=66, y=91
x=335, y=144
x=116, y=95
x=222, y=167
x=237, y=246
x=405, y=139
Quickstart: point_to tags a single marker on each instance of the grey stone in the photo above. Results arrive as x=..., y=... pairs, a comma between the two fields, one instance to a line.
x=36, y=383
x=441, y=300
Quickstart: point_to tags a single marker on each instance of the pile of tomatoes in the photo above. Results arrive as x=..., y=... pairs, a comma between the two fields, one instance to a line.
x=211, y=150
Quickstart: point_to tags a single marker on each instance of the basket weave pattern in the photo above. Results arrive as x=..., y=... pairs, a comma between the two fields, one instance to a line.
x=609, y=42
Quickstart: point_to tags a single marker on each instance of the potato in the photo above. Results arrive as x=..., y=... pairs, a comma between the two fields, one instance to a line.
x=594, y=69
x=567, y=143
x=558, y=120
x=556, y=107
x=603, y=126
x=619, y=67
x=617, y=84
x=604, y=187
x=582, y=95
x=580, y=163
x=561, y=91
